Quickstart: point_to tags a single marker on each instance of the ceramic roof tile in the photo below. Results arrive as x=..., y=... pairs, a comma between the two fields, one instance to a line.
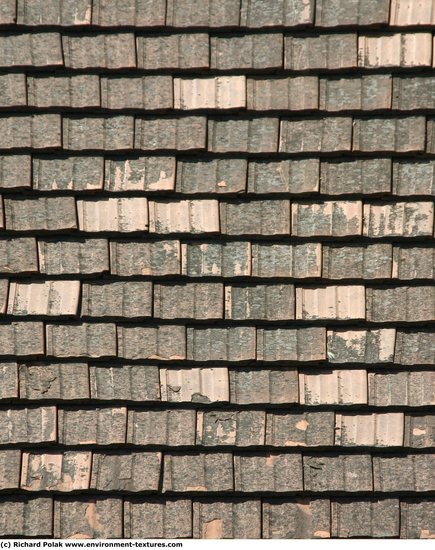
x=303, y=518
x=91, y=426
x=430, y=141
x=262, y=217
x=361, y=346
x=56, y=471
x=15, y=171
x=10, y=468
x=268, y=472
x=417, y=519
x=333, y=387
x=286, y=260
x=123, y=215
x=124, y=382
x=13, y=90
x=199, y=472
x=26, y=517
x=282, y=13
x=365, y=176
x=291, y=344
x=8, y=380
x=4, y=289
x=413, y=262
x=398, y=219
x=366, y=93
x=416, y=178
x=188, y=300
x=416, y=346
x=227, y=520
x=263, y=302
x=221, y=175
x=284, y=176
x=89, y=132
x=117, y=299
x=28, y=425
x=129, y=258
x=419, y=431
x=78, y=91
x=39, y=131
x=239, y=428
x=373, y=430
x=349, y=473
x=246, y=51
x=165, y=342
x=67, y=173
x=315, y=135
x=89, y=518
x=140, y=174
x=307, y=429
x=67, y=381
x=22, y=338
x=145, y=92
x=81, y=340
x=173, y=51
x=252, y=386
x=245, y=135
x=8, y=12
x=111, y=51
x=18, y=255
x=325, y=51
x=140, y=471
x=221, y=344
x=41, y=213
x=53, y=298
x=184, y=216
x=219, y=92
x=402, y=388
x=365, y=518
x=371, y=261
x=37, y=49
x=407, y=12
x=403, y=473
x=173, y=427
x=181, y=133
x=330, y=302
x=333, y=13
x=196, y=385
x=395, y=50
x=403, y=134
x=67, y=256
x=209, y=13
x=213, y=259
x=327, y=218
x=157, y=518
x=52, y=12
x=413, y=93
x=140, y=13
x=297, y=93
x=410, y=304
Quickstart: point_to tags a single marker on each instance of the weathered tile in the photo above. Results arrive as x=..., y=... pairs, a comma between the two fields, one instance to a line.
x=38, y=131
x=268, y=472
x=18, y=255
x=196, y=385
x=165, y=342
x=111, y=51
x=251, y=386
x=198, y=472
x=326, y=135
x=28, y=425
x=39, y=214
x=362, y=93
x=13, y=90
x=327, y=218
x=362, y=176
x=120, y=214
x=414, y=178
x=81, y=340
x=155, y=258
x=56, y=471
x=417, y=519
x=398, y=219
x=245, y=135
x=185, y=216
x=23, y=339
x=118, y=299
x=282, y=13
x=8, y=12
x=187, y=133
x=403, y=134
x=213, y=259
x=297, y=93
x=307, y=429
x=361, y=346
x=365, y=518
x=44, y=298
x=143, y=92
x=372, y=430
x=10, y=464
x=157, y=518
x=67, y=173
x=221, y=344
x=333, y=387
x=140, y=174
x=188, y=301
x=240, y=519
x=298, y=519
x=403, y=473
x=419, y=431
x=246, y=51
x=349, y=473
x=263, y=217
x=291, y=344
x=68, y=257
x=403, y=388
x=413, y=262
x=330, y=302
x=26, y=517
x=239, y=428
x=35, y=49
x=4, y=291
x=211, y=175
x=218, y=92
x=173, y=51
x=54, y=381
x=414, y=347
x=77, y=91
x=135, y=13
x=208, y=13
x=108, y=133
x=370, y=261
x=285, y=176
x=286, y=260
x=15, y=171
x=430, y=141
x=411, y=304
x=325, y=51
x=261, y=302
x=124, y=382
x=88, y=518
x=8, y=380
x=52, y=12
x=92, y=426
x=413, y=93
x=171, y=427
x=132, y=472
x=395, y=50
x=333, y=13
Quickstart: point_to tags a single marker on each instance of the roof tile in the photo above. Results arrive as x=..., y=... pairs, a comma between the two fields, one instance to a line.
x=173, y=427
x=238, y=428
x=117, y=299
x=265, y=302
x=40, y=214
x=361, y=346
x=40, y=381
x=219, y=92
x=407, y=12
x=286, y=260
x=121, y=214
x=300, y=519
x=15, y=171
x=212, y=259
x=371, y=261
x=157, y=518
x=307, y=429
x=411, y=304
x=165, y=342
x=52, y=12
x=111, y=51
x=395, y=50
x=333, y=387
x=331, y=134
x=173, y=51
x=13, y=90
x=138, y=13
x=330, y=302
x=333, y=13
x=26, y=517
x=184, y=216
x=327, y=218
x=81, y=340
x=211, y=175
x=414, y=347
x=156, y=258
x=245, y=135
x=180, y=133
x=419, y=431
x=10, y=464
x=297, y=93
x=22, y=339
x=89, y=518
x=124, y=382
x=263, y=217
x=92, y=426
x=398, y=219
x=57, y=298
x=188, y=300
x=28, y=425
x=221, y=344
x=350, y=473
x=362, y=176
x=76, y=173
x=403, y=388
x=36, y=49
x=413, y=263
x=227, y=520
x=35, y=131
x=413, y=93
x=208, y=13
x=291, y=344
x=282, y=13
x=198, y=472
x=8, y=380
x=417, y=519
x=325, y=51
x=403, y=473
x=144, y=92
x=268, y=472
x=284, y=176
x=252, y=386
x=140, y=174
x=8, y=12
x=416, y=178
x=196, y=385
x=84, y=256
x=403, y=134
x=77, y=91
x=246, y=51
x=363, y=93
x=109, y=133
x=18, y=255
x=365, y=518
x=372, y=430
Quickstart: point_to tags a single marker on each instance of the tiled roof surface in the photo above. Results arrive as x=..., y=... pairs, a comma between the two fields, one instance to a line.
x=217, y=268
